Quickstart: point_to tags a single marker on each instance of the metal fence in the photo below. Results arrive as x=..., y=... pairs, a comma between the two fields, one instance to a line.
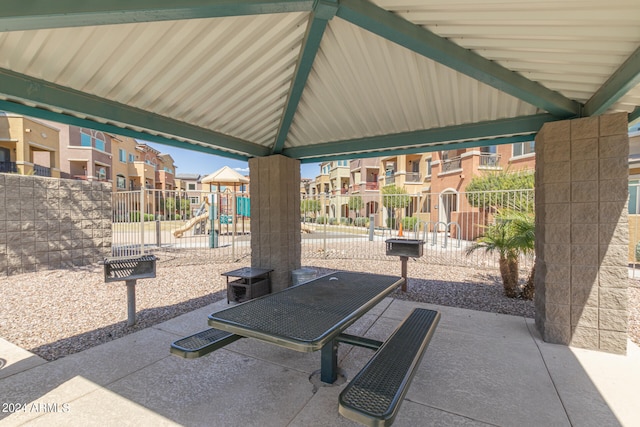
x=634, y=228
x=178, y=221
x=333, y=226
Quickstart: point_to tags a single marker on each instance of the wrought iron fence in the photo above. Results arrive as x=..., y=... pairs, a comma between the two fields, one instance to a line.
x=351, y=226
x=634, y=229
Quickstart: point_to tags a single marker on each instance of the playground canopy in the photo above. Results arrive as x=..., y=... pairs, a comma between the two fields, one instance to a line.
x=320, y=80
x=225, y=176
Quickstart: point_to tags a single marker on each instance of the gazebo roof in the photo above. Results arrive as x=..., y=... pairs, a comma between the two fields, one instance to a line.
x=226, y=176
x=320, y=80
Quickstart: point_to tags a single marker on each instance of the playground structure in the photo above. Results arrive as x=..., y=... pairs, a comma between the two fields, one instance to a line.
x=198, y=222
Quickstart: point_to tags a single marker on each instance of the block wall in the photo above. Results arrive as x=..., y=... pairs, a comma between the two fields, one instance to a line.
x=49, y=223
x=275, y=217
x=582, y=233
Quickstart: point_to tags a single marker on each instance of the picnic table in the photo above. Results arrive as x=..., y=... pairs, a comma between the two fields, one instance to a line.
x=314, y=316
x=309, y=317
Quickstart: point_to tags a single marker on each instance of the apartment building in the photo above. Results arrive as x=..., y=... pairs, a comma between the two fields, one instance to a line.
x=28, y=146
x=434, y=181
x=191, y=185
x=137, y=165
x=40, y=147
x=85, y=153
x=125, y=174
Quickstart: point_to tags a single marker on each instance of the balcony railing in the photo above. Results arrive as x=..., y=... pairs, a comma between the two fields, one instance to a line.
x=41, y=170
x=8, y=167
x=389, y=179
x=412, y=177
x=489, y=160
x=373, y=185
x=454, y=163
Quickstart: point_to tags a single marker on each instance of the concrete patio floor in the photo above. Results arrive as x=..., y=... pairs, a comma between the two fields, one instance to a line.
x=480, y=369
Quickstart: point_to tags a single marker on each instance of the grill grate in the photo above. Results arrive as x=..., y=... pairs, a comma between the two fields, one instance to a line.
x=139, y=267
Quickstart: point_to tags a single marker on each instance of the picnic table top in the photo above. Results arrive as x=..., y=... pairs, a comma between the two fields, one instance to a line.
x=307, y=316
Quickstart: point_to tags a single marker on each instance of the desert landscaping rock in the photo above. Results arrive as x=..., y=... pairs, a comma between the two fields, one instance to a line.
x=54, y=313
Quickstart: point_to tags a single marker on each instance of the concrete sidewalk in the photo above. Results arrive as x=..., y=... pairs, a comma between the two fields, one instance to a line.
x=480, y=369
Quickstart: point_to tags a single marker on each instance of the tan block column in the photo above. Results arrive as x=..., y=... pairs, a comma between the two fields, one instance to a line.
x=582, y=232
x=275, y=217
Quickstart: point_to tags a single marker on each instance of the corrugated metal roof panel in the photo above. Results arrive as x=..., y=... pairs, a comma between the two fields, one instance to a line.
x=230, y=75
x=538, y=39
x=363, y=85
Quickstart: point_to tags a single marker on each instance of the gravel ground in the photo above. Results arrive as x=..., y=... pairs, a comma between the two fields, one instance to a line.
x=60, y=312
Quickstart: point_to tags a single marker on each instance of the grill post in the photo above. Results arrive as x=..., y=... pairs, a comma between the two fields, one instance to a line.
x=404, y=248
x=128, y=270
x=131, y=302
x=403, y=266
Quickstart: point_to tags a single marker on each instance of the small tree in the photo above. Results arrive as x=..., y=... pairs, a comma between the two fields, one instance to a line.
x=309, y=205
x=488, y=190
x=394, y=197
x=512, y=234
x=514, y=230
x=169, y=207
x=355, y=204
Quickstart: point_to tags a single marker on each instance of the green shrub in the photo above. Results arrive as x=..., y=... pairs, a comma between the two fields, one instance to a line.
x=333, y=221
x=345, y=221
x=362, y=221
x=134, y=216
x=321, y=220
x=391, y=223
x=409, y=222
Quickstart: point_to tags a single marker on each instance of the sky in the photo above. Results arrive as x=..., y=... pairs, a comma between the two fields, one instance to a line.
x=187, y=161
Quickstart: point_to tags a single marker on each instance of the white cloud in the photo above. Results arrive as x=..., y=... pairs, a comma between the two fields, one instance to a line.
x=242, y=170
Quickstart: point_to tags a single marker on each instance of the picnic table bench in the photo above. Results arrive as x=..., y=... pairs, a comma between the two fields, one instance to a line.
x=373, y=397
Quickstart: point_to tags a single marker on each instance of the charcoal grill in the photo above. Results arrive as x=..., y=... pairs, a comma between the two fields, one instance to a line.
x=129, y=269
x=404, y=248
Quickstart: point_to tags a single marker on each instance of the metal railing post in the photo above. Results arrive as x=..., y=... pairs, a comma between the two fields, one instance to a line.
x=372, y=227
x=142, y=212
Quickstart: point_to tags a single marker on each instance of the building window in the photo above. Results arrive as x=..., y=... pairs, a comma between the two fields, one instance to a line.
x=524, y=148
x=166, y=169
x=194, y=200
x=122, y=155
x=85, y=140
x=102, y=173
x=121, y=182
x=100, y=144
x=132, y=158
x=428, y=167
x=191, y=186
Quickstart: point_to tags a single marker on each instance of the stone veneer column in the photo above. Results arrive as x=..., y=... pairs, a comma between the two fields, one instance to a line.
x=275, y=217
x=582, y=232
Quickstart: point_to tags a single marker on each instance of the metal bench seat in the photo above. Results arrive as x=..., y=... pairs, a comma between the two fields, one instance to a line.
x=374, y=395
x=202, y=343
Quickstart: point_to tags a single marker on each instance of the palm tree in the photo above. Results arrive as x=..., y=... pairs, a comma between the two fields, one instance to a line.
x=512, y=234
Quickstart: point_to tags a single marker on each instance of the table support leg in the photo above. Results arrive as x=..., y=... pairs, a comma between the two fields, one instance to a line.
x=329, y=362
x=131, y=302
